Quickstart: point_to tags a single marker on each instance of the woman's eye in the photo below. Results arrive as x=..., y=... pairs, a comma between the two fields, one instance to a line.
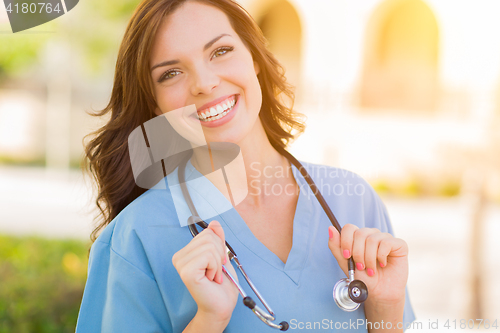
x=168, y=75
x=222, y=51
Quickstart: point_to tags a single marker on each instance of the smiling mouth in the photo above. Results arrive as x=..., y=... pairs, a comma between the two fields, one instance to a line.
x=217, y=111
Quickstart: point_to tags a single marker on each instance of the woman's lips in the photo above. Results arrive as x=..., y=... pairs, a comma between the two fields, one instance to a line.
x=214, y=102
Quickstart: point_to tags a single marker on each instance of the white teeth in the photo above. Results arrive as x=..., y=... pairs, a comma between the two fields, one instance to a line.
x=218, y=111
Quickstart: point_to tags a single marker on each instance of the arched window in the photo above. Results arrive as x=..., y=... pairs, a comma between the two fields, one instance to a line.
x=401, y=58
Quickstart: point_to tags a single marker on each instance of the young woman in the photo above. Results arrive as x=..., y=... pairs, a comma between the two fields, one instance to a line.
x=148, y=274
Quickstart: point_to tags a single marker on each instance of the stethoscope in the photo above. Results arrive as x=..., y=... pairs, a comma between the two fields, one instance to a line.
x=348, y=293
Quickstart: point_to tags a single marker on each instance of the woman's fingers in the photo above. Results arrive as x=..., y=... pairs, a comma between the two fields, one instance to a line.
x=205, y=253
x=367, y=246
x=346, y=239
x=334, y=245
x=198, y=263
x=351, y=242
x=391, y=247
x=371, y=252
x=359, y=246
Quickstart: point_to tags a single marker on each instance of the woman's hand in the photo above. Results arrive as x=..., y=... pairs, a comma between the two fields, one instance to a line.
x=381, y=261
x=199, y=265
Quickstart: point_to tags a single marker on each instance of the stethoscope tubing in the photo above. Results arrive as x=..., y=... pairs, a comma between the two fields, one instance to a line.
x=318, y=195
x=196, y=220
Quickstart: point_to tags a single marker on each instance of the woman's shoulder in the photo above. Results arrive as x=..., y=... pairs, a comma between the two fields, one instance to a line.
x=350, y=196
x=152, y=207
x=334, y=175
x=129, y=233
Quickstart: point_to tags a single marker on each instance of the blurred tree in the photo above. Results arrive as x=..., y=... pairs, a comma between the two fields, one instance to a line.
x=19, y=51
x=94, y=27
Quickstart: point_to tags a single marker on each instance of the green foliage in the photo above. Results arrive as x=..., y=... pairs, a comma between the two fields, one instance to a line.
x=41, y=285
x=19, y=51
x=10, y=160
x=97, y=32
x=114, y=10
x=93, y=27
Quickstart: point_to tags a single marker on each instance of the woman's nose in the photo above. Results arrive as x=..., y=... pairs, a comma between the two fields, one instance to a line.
x=205, y=81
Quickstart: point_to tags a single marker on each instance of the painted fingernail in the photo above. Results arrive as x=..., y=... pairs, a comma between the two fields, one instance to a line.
x=360, y=266
x=370, y=272
x=347, y=254
x=330, y=233
x=225, y=259
x=382, y=264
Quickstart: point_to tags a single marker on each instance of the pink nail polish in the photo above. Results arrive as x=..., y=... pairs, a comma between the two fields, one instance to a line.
x=330, y=233
x=347, y=254
x=225, y=259
x=360, y=266
x=382, y=264
x=370, y=272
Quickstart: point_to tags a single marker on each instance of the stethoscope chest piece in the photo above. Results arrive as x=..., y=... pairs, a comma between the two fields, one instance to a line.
x=349, y=294
x=341, y=296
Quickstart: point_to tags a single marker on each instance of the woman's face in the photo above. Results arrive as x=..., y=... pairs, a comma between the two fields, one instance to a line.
x=199, y=60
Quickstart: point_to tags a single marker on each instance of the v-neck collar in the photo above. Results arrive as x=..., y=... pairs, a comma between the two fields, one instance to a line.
x=210, y=202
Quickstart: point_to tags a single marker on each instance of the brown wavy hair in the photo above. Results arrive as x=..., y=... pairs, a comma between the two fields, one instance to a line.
x=132, y=101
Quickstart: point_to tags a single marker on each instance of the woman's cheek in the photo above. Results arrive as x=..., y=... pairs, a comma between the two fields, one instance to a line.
x=240, y=70
x=172, y=99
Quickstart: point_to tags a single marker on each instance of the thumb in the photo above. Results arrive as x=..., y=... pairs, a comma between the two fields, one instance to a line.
x=217, y=229
x=334, y=246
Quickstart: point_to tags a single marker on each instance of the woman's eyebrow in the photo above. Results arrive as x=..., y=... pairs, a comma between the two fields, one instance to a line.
x=173, y=62
x=165, y=63
x=207, y=45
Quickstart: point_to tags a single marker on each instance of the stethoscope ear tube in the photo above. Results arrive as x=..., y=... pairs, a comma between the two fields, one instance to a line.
x=347, y=293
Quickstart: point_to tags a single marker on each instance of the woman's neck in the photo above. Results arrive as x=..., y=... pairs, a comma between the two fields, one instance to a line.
x=260, y=160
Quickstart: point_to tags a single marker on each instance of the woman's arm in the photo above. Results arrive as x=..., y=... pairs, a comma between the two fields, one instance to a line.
x=388, y=316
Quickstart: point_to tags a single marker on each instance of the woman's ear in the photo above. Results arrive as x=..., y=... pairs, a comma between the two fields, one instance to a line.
x=256, y=67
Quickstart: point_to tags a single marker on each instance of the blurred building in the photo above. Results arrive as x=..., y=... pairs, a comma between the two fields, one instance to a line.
x=402, y=91
x=397, y=90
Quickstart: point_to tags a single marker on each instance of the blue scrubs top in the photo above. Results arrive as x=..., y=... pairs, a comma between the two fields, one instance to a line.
x=132, y=285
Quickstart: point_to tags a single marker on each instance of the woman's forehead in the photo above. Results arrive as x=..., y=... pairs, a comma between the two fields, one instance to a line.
x=189, y=28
